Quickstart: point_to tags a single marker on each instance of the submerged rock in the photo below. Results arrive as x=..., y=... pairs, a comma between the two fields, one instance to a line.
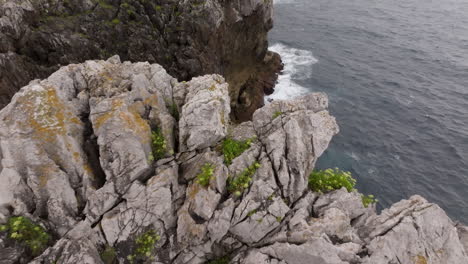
x=189, y=38
x=108, y=157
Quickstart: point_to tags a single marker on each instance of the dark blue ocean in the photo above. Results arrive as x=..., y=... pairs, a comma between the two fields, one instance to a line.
x=396, y=73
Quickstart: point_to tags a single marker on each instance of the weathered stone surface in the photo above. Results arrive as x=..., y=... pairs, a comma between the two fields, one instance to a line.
x=316, y=251
x=295, y=133
x=413, y=231
x=205, y=114
x=77, y=246
x=348, y=202
x=463, y=234
x=189, y=38
x=76, y=151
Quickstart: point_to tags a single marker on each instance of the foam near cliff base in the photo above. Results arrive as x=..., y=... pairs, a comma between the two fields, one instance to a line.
x=297, y=66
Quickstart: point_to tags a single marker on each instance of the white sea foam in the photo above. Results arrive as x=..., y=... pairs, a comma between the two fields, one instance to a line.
x=297, y=66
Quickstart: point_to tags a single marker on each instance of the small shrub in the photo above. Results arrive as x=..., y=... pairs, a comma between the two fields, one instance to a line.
x=252, y=212
x=222, y=260
x=231, y=149
x=144, y=247
x=238, y=184
x=279, y=219
x=206, y=175
x=158, y=145
x=328, y=180
x=27, y=233
x=109, y=256
x=276, y=114
x=115, y=21
x=174, y=111
x=368, y=199
x=172, y=108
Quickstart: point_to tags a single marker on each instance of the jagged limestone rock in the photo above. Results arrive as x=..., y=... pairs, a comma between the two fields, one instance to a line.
x=189, y=38
x=76, y=155
x=295, y=133
x=415, y=231
x=205, y=114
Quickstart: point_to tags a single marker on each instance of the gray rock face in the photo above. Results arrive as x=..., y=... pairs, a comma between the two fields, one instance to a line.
x=437, y=242
x=295, y=133
x=77, y=155
x=205, y=114
x=189, y=38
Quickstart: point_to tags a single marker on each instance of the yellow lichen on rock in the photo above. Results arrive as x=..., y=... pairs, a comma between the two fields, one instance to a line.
x=44, y=172
x=133, y=121
x=45, y=113
x=116, y=104
x=420, y=260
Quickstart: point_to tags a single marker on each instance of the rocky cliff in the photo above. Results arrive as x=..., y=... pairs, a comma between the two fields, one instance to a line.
x=110, y=162
x=188, y=38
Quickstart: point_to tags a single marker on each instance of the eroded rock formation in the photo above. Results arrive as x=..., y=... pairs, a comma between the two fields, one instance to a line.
x=188, y=38
x=77, y=156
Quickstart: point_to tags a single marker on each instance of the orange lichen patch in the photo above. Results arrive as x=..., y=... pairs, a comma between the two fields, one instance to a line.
x=420, y=260
x=192, y=192
x=152, y=101
x=223, y=121
x=45, y=113
x=105, y=75
x=44, y=172
x=76, y=156
x=129, y=118
x=116, y=104
x=89, y=171
x=101, y=119
x=76, y=120
x=136, y=123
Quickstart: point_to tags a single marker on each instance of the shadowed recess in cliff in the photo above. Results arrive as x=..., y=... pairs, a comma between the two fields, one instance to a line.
x=188, y=38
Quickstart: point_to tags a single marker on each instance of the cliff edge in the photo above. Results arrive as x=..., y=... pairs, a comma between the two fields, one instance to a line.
x=188, y=38
x=111, y=162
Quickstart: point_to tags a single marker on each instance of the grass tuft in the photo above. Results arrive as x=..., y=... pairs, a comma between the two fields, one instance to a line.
x=222, y=260
x=323, y=181
x=27, y=233
x=158, y=145
x=368, y=200
x=238, y=184
x=206, y=175
x=231, y=148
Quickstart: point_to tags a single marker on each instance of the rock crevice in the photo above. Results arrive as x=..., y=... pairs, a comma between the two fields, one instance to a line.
x=77, y=155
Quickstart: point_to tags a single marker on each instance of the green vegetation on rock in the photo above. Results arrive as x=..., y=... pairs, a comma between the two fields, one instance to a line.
x=323, y=181
x=222, y=260
x=109, y=256
x=368, y=199
x=158, y=145
x=252, y=212
x=242, y=181
x=173, y=110
x=276, y=114
x=206, y=175
x=144, y=247
x=231, y=148
x=27, y=233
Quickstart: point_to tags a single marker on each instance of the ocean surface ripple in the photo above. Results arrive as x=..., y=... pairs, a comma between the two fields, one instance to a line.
x=396, y=73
